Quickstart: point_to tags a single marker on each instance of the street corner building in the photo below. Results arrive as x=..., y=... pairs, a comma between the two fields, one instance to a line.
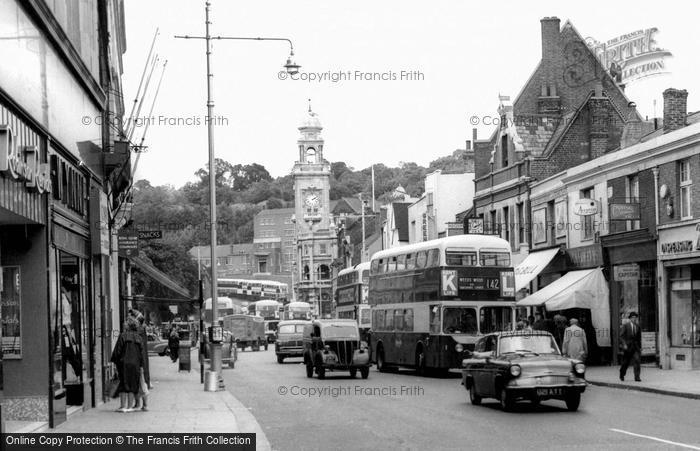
x=63, y=172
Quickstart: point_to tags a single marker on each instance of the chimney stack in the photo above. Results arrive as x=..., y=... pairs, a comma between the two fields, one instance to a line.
x=632, y=131
x=474, y=135
x=675, y=109
x=551, y=68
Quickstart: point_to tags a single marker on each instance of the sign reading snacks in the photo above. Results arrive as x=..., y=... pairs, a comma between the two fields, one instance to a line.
x=150, y=234
x=624, y=212
x=23, y=164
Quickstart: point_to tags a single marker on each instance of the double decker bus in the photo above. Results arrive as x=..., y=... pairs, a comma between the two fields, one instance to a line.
x=297, y=310
x=269, y=310
x=432, y=300
x=226, y=306
x=352, y=287
x=252, y=289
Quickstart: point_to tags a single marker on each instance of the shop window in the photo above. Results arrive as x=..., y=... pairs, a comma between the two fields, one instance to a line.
x=11, y=296
x=685, y=306
x=686, y=187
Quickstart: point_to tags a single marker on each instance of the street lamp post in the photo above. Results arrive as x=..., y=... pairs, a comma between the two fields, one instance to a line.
x=292, y=68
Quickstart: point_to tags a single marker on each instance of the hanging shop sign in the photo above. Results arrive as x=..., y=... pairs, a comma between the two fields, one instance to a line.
x=23, y=163
x=585, y=207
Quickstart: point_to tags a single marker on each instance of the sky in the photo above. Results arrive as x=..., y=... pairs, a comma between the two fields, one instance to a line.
x=455, y=59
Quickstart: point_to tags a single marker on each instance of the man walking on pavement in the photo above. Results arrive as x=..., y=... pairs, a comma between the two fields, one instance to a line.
x=631, y=344
x=575, y=345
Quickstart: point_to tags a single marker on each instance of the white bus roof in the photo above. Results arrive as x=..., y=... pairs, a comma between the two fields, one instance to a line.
x=298, y=304
x=458, y=241
x=359, y=267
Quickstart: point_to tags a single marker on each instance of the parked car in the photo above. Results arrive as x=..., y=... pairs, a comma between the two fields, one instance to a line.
x=522, y=365
x=334, y=345
x=157, y=345
x=248, y=330
x=289, y=342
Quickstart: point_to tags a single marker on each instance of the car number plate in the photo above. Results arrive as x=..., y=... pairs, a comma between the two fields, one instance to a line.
x=549, y=391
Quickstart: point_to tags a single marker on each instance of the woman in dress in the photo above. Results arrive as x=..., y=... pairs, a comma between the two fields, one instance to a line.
x=128, y=357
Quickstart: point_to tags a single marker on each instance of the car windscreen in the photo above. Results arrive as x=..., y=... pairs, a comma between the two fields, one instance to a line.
x=540, y=344
x=340, y=331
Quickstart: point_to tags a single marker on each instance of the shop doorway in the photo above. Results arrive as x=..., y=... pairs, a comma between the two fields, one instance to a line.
x=71, y=329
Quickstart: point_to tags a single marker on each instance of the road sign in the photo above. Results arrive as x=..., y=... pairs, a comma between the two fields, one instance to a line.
x=150, y=234
x=128, y=245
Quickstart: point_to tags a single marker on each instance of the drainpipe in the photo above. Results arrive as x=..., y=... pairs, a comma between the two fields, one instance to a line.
x=662, y=329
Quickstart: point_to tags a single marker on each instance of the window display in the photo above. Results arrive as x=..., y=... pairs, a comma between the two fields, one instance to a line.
x=10, y=312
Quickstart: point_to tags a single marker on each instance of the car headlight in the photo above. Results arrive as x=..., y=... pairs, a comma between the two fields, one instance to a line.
x=459, y=347
x=515, y=370
x=363, y=345
x=580, y=368
x=326, y=349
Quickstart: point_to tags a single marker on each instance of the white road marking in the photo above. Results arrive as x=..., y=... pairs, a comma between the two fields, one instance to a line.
x=683, y=445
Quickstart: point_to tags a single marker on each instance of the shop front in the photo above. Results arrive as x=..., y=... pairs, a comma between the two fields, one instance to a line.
x=631, y=267
x=679, y=255
x=24, y=188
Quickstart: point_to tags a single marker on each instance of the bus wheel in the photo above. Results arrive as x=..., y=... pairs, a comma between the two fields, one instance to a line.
x=420, y=361
x=364, y=372
x=381, y=363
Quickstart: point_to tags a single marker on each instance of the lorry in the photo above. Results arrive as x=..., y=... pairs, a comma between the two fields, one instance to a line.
x=247, y=330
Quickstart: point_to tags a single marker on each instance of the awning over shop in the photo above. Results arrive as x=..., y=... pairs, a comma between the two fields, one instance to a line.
x=160, y=277
x=578, y=289
x=533, y=264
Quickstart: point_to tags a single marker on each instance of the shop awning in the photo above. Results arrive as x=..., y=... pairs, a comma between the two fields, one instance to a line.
x=578, y=289
x=160, y=277
x=533, y=264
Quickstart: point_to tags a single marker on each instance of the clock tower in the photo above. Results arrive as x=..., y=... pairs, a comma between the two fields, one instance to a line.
x=315, y=230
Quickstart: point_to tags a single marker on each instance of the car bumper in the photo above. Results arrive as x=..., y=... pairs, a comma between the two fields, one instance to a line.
x=291, y=352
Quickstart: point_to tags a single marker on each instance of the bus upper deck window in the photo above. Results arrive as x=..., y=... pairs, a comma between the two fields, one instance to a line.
x=433, y=258
x=421, y=259
x=410, y=261
x=494, y=258
x=401, y=263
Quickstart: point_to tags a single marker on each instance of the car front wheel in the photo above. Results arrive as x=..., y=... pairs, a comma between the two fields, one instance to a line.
x=364, y=372
x=506, y=400
x=353, y=373
x=473, y=397
x=280, y=359
x=572, y=401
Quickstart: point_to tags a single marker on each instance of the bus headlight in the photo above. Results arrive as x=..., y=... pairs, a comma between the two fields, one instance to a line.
x=515, y=370
x=580, y=368
x=459, y=347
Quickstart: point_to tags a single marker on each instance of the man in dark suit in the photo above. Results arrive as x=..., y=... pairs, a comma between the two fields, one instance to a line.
x=631, y=344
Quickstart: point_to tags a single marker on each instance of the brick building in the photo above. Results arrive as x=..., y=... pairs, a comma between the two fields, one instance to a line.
x=570, y=111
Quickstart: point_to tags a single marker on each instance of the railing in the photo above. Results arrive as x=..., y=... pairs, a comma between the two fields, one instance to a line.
x=513, y=172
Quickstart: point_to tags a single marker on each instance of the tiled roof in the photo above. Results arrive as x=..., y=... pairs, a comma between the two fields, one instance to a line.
x=537, y=134
x=692, y=118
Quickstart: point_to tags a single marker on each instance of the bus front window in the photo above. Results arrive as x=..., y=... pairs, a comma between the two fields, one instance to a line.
x=459, y=320
x=495, y=319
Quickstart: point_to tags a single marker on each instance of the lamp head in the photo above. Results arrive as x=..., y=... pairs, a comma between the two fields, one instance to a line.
x=291, y=66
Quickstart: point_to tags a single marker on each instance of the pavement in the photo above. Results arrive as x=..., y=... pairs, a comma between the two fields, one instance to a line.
x=177, y=403
x=685, y=384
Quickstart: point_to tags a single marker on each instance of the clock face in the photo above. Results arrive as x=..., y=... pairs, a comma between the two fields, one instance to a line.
x=312, y=200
